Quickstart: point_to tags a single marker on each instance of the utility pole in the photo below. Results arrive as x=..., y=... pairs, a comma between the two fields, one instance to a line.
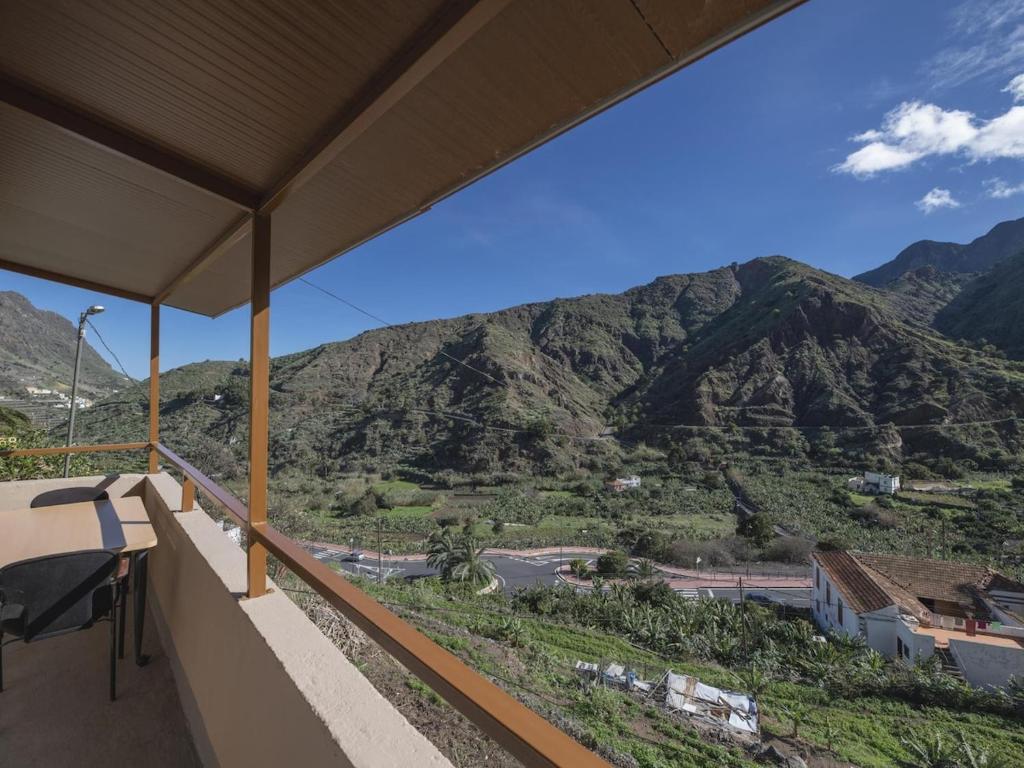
x=380, y=554
x=743, y=618
x=95, y=309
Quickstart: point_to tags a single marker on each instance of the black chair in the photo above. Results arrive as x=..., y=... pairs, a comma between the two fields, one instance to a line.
x=68, y=496
x=53, y=595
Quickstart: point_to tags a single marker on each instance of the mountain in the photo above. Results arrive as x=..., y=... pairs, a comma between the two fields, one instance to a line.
x=37, y=348
x=990, y=309
x=700, y=365
x=1002, y=241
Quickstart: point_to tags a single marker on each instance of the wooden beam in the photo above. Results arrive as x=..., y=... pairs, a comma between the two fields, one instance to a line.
x=259, y=403
x=223, y=244
x=116, y=139
x=62, y=449
x=188, y=494
x=154, y=386
x=89, y=285
x=431, y=46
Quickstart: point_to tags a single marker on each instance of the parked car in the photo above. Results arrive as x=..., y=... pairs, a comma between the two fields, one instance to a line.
x=355, y=556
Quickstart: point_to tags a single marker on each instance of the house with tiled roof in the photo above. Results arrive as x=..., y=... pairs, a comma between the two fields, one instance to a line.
x=911, y=608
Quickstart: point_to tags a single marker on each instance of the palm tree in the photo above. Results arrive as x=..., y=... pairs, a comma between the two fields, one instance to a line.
x=443, y=553
x=579, y=568
x=642, y=569
x=470, y=565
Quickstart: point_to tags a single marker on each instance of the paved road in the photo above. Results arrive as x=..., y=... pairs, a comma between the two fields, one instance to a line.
x=516, y=572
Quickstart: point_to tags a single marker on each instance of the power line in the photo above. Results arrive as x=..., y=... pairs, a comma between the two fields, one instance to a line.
x=386, y=324
x=107, y=347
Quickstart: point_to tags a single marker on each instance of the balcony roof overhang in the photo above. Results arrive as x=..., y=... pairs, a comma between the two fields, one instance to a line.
x=137, y=140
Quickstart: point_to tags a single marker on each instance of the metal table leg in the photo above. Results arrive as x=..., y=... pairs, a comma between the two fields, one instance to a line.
x=122, y=620
x=140, y=566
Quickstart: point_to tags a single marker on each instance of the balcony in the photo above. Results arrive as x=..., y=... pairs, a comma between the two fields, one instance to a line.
x=156, y=175
x=231, y=681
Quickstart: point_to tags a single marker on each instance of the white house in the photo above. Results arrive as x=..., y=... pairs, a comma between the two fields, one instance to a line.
x=910, y=608
x=876, y=482
x=621, y=484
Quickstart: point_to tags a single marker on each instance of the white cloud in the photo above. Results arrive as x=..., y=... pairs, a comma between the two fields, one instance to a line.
x=999, y=189
x=1016, y=87
x=986, y=40
x=936, y=199
x=915, y=130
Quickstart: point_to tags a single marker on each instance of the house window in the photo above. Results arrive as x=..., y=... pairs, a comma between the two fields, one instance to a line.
x=828, y=593
x=817, y=606
x=817, y=578
x=899, y=646
x=840, y=611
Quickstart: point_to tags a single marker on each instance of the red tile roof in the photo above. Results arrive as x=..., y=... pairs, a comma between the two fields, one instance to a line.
x=861, y=591
x=871, y=581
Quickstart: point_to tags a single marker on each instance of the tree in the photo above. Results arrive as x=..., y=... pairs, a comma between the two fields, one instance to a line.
x=579, y=568
x=366, y=504
x=443, y=553
x=471, y=566
x=642, y=569
x=612, y=563
x=758, y=528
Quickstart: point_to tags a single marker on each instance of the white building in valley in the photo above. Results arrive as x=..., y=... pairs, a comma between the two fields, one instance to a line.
x=876, y=482
x=910, y=608
x=621, y=484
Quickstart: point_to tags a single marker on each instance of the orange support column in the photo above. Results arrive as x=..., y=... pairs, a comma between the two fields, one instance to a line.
x=259, y=402
x=154, y=386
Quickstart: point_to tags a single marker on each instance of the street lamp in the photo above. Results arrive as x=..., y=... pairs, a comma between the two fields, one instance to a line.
x=95, y=309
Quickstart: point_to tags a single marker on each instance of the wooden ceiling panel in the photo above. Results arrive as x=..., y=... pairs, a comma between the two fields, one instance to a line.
x=686, y=26
x=241, y=86
x=66, y=204
x=345, y=119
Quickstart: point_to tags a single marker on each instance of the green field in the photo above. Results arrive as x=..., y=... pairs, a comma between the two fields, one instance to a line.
x=531, y=653
x=408, y=512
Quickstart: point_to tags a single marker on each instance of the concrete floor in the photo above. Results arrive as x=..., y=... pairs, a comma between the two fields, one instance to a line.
x=55, y=709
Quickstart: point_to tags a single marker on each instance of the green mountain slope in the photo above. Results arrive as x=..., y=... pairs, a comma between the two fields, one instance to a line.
x=801, y=347
x=37, y=348
x=990, y=309
x=1002, y=241
x=768, y=344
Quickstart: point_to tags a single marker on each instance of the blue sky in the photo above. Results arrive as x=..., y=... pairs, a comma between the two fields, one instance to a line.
x=836, y=135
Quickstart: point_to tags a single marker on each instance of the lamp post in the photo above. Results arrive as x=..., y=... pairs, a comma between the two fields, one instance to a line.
x=95, y=309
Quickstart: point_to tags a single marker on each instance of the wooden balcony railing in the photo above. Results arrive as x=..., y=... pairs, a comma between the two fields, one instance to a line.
x=520, y=730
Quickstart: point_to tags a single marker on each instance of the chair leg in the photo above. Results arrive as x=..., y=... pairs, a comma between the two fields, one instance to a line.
x=113, y=650
x=122, y=591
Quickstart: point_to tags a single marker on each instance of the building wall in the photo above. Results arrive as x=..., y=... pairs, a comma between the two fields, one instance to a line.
x=825, y=599
x=916, y=647
x=987, y=665
x=880, y=629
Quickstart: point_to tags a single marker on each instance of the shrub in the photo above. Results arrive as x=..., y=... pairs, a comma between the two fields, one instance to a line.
x=789, y=549
x=685, y=553
x=612, y=563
